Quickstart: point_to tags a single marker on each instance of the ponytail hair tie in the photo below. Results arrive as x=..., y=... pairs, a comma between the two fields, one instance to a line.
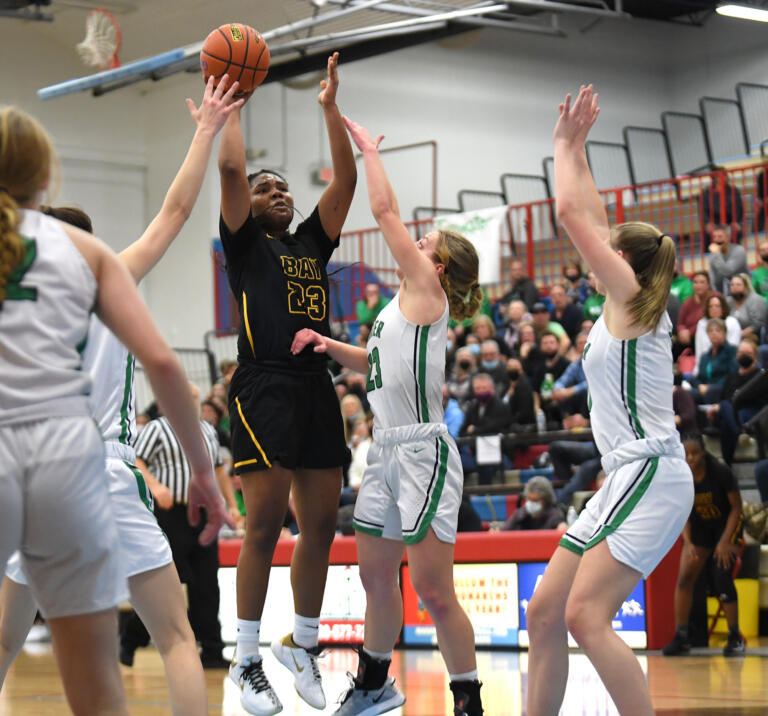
x=661, y=238
x=468, y=295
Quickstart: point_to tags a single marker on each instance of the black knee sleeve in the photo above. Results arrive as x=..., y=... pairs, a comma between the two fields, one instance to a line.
x=725, y=589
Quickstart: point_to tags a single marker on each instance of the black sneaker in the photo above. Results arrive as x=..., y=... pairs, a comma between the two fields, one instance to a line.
x=735, y=646
x=214, y=661
x=466, y=698
x=679, y=645
x=126, y=654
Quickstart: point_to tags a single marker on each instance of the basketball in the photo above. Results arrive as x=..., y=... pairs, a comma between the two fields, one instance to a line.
x=237, y=50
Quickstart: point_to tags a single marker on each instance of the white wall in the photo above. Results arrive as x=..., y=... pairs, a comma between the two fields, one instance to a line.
x=490, y=107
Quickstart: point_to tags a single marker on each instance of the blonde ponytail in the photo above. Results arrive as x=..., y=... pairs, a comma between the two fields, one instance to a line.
x=11, y=247
x=652, y=256
x=459, y=280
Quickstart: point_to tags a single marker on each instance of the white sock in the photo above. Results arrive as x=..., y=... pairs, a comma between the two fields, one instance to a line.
x=247, y=638
x=469, y=676
x=305, y=631
x=379, y=655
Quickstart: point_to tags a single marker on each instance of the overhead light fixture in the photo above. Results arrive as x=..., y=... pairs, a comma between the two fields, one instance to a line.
x=743, y=12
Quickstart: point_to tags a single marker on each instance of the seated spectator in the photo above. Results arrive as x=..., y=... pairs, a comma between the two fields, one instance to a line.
x=568, y=315
x=472, y=342
x=529, y=346
x=723, y=413
x=760, y=199
x=519, y=396
x=586, y=325
x=684, y=407
x=227, y=369
x=220, y=395
x=726, y=259
x=747, y=307
x=483, y=328
x=570, y=389
x=576, y=464
x=453, y=415
x=485, y=415
x=492, y=362
x=715, y=364
x=760, y=274
x=593, y=306
x=450, y=348
x=542, y=322
x=539, y=511
x=351, y=411
x=577, y=287
x=718, y=195
x=711, y=538
x=363, y=331
x=368, y=307
x=545, y=372
x=681, y=287
x=691, y=312
x=212, y=414
x=460, y=380
x=523, y=288
x=715, y=307
x=359, y=445
x=469, y=520
x=509, y=335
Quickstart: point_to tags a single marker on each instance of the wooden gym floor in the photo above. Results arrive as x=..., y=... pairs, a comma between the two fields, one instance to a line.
x=702, y=683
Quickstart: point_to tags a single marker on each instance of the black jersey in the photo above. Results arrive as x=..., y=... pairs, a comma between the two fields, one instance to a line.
x=281, y=286
x=711, y=506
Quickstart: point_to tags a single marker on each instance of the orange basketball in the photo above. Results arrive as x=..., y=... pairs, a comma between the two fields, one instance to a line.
x=237, y=50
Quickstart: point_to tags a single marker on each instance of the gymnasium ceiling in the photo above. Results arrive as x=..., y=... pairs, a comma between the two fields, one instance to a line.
x=362, y=27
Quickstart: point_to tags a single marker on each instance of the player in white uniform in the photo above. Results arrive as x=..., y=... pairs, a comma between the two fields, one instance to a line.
x=54, y=505
x=146, y=557
x=639, y=512
x=411, y=489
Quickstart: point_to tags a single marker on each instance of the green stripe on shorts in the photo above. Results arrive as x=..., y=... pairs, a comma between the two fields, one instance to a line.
x=565, y=542
x=628, y=506
x=368, y=530
x=435, y=500
x=144, y=493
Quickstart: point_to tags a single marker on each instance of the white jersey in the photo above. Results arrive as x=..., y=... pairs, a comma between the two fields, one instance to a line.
x=112, y=399
x=43, y=326
x=630, y=386
x=406, y=368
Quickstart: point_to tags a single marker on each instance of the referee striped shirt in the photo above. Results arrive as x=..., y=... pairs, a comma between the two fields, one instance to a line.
x=158, y=446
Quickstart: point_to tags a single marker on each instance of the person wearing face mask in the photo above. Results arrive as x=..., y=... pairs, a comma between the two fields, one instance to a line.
x=519, y=395
x=539, y=511
x=723, y=414
x=492, y=362
x=760, y=274
x=460, y=380
x=747, y=307
x=577, y=286
x=551, y=366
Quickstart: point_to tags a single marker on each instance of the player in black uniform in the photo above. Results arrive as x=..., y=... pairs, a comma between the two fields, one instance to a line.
x=711, y=537
x=287, y=431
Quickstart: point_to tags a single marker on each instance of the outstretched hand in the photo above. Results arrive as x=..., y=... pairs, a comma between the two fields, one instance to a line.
x=305, y=337
x=576, y=121
x=328, y=86
x=361, y=136
x=204, y=493
x=217, y=104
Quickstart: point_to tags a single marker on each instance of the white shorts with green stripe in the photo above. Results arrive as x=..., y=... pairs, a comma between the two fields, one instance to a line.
x=143, y=546
x=641, y=508
x=413, y=481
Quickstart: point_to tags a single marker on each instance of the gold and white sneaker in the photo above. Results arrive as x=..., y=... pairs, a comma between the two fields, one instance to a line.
x=303, y=664
x=257, y=696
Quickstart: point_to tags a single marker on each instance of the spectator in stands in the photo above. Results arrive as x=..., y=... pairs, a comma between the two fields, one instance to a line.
x=351, y=411
x=363, y=331
x=227, y=368
x=359, y=445
x=492, y=362
x=567, y=314
x=509, y=337
x=523, y=288
x=691, y=312
x=673, y=309
x=747, y=307
x=570, y=389
x=715, y=307
x=368, y=308
x=586, y=325
x=723, y=413
x=529, y=346
x=760, y=274
x=542, y=322
x=681, y=288
x=715, y=364
x=721, y=190
x=460, y=380
x=544, y=374
x=469, y=520
x=483, y=328
x=472, y=342
x=726, y=259
x=684, y=407
x=712, y=538
x=593, y=306
x=212, y=414
x=577, y=286
x=485, y=415
x=519, y=395
x=760, y=200
x=450, y=348
x=539, y=511
x=453, y=415
x=576, y=464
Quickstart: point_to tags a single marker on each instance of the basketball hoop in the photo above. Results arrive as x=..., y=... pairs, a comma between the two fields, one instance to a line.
x=102, y=40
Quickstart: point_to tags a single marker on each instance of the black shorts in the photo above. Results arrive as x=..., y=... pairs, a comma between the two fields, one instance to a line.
x=294, y=420
x=704, y=535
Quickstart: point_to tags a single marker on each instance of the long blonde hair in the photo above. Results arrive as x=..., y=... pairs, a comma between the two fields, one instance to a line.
x=26, y=156
x=459, y=280
x=652, y=257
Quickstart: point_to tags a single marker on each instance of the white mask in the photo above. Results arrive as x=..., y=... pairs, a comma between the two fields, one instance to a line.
x=533, y=508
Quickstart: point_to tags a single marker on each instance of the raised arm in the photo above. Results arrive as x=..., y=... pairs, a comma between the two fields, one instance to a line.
x=235, y=192
x=579, y=208
x=337, y=198
x=352, y=357
x=141, y=256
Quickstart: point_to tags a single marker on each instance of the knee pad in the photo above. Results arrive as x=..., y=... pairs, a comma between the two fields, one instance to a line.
x=725, y=589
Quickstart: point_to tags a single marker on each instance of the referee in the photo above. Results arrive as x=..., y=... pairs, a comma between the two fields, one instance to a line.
x=166, y=471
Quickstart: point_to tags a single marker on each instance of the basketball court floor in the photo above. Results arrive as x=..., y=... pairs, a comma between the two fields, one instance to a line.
x=702, y=683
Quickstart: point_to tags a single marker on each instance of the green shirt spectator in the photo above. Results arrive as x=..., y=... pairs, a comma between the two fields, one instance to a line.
x=760, y=274
x=681, y=287
x=369, y=307
x=593, y=306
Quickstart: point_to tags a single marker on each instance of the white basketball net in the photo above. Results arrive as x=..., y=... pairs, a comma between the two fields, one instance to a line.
x=102, y=40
